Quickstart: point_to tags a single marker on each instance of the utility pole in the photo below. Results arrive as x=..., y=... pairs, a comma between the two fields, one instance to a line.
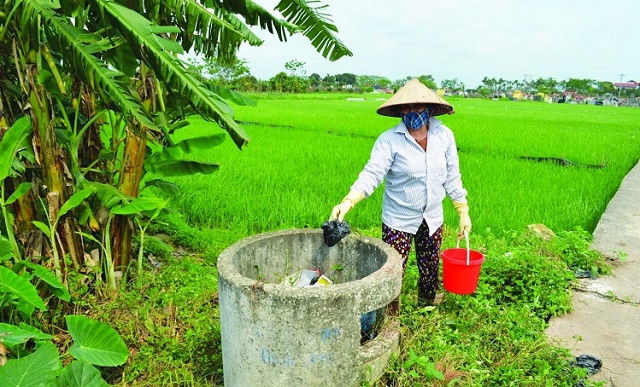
x=620, y=87
x=527, y=81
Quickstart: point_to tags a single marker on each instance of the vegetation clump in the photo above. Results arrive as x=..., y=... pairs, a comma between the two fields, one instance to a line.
x=493, y=337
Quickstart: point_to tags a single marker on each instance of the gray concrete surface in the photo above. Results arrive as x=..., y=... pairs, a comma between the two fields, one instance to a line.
x=606, y=313
x=276, y=334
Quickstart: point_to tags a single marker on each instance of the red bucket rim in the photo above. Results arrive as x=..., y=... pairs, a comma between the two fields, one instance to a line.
x=475, y=257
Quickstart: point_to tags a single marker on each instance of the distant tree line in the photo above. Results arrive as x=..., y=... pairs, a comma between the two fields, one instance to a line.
x=586, y=87
x=237, y=76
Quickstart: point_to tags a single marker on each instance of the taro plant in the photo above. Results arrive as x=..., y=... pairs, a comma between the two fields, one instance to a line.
x=94, y=344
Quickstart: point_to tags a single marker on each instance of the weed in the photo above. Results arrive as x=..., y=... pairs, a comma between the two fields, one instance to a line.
x=171, y=325
x=420, y=367
x=622, y=256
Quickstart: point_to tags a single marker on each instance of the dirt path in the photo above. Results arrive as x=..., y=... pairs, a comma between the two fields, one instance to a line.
x=606, y=310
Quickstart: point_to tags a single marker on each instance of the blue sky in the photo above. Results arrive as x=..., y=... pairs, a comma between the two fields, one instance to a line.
x=468, y=40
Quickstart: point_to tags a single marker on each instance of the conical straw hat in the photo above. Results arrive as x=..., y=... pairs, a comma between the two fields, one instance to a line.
x=415, y=92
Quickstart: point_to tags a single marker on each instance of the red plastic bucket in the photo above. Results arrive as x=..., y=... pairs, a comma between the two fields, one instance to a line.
x=461, y=269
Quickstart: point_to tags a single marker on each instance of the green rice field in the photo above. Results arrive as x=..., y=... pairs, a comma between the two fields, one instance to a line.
x=306, y=151
x=304, y=154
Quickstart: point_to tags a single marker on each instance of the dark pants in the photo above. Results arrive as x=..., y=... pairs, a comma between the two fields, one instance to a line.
x=427, y=253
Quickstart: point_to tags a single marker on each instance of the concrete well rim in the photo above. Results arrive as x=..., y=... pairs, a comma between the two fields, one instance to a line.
x=390, y=271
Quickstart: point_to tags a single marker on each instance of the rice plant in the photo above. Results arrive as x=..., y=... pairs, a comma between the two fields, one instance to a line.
x=522, y=163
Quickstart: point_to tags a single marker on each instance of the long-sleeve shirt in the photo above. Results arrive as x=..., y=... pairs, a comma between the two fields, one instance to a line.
x=416, y=180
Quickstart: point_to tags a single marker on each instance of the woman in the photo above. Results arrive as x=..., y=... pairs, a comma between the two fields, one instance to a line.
x=419, y=161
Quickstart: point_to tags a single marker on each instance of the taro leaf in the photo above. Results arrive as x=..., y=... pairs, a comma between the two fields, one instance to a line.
x=6, y=251
x=96, y=342
x=10, y=143
x=169, y=189
x=17, y=194
x=47, y=276
x=26, y=310
x=81, y=374
x=19, y=286
x=181, y=168
x=38, y=335
x=37, y=369
x=11, y=335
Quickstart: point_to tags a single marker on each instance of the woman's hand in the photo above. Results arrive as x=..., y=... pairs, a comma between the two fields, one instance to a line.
x=349, y=201
x=465, y=220
x=340, y=210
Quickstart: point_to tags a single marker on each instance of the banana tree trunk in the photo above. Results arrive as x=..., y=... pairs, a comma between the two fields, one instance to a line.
x=91, y=143
x=47, y=154
x=23, y=228
x=131, y=173
x=130, y=176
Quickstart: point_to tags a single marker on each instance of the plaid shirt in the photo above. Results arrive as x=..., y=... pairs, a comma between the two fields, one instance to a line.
x=416, y=181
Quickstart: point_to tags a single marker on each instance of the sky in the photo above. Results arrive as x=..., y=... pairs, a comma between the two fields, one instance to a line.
x=467, y=40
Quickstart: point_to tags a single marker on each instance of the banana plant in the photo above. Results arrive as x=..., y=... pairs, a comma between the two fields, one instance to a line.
x=6, y=249
x=10, y=143
x=49, y=228
x=142, y=211
x=18, y=292
x=145, y=210
x=75, y=66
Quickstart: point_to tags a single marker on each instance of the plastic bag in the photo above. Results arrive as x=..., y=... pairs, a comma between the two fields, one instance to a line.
x=334, y=231
x=590, y=362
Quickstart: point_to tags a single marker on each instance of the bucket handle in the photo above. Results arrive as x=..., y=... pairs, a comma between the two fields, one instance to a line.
x=466, y=236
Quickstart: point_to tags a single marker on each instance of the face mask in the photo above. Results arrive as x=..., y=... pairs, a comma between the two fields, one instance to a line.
x=416, y=120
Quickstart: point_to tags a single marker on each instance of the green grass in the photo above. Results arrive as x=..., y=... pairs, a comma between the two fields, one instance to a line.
x=494, y=338
x=304, y=154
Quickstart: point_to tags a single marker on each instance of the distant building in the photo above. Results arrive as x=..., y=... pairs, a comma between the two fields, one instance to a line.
x=631, y=85
x=517, y=94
